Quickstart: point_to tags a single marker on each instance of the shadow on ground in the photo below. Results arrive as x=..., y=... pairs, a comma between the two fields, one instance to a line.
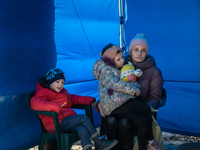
x=170, y=141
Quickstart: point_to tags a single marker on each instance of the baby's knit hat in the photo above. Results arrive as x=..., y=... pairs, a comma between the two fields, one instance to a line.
x=139, y=39
x=54, y=74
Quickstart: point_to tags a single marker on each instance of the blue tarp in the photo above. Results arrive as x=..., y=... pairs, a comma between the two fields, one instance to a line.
x=172, y=29
x=38, y=35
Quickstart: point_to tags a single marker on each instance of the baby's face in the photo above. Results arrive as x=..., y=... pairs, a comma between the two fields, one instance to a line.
x=57, y=85
x=119, y=60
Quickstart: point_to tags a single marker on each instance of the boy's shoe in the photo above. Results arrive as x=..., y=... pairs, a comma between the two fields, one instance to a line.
x=104, y=144
x=153, y=146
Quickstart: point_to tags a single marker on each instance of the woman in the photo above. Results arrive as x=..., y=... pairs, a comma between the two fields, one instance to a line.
x=151, y=82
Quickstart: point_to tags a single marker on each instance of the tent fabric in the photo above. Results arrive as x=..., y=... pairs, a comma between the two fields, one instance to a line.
x=38, y=35
x=81, y=34
x=172, y=29
x=27, y=51
x=27, y=43
x=181, y=113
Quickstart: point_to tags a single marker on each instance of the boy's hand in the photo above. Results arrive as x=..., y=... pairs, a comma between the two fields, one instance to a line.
x=96, y=108
x=137, y=92
x=93, y=103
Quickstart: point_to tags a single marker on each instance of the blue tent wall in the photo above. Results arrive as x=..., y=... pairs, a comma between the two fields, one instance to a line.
x=38, y=35
x=81, y=34
x=27, y=51
x=172, y=29
x=82, y=29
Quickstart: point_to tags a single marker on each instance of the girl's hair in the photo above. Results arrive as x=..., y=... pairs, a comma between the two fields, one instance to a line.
x=119, y=51
x=129, y=58
x=106, y=47
x=109, y=46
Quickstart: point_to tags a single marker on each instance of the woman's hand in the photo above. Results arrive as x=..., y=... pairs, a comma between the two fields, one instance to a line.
x=137, y=92
x=100, y=110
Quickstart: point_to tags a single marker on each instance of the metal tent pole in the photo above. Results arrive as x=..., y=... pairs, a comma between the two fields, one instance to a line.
x=121, y=30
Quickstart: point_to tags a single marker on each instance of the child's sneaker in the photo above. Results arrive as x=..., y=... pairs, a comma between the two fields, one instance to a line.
x=153, y=146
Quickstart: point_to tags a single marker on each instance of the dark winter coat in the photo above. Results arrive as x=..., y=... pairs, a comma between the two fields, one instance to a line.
x=151, y=81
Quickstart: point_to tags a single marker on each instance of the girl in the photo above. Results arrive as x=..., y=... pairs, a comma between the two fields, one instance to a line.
x=107, y=71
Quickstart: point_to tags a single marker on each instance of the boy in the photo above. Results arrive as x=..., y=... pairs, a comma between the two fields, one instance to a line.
x=51, y=95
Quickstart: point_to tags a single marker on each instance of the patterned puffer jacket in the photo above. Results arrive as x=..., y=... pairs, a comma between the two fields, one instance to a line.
x=108, y=75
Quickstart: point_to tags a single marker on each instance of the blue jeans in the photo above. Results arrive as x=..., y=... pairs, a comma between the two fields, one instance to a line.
x=80, y=124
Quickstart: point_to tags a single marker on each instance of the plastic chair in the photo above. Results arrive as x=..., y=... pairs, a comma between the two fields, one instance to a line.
x=64, y=140
x=164, y=98
x=162, y=101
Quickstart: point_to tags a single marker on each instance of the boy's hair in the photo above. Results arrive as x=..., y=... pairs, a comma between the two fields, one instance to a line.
x=54, y=74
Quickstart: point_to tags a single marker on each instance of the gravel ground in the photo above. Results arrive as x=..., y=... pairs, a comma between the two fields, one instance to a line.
x=171, y=141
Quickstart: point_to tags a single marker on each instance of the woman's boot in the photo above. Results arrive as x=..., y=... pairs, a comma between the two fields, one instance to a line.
x=111, y=129
x=126, y=133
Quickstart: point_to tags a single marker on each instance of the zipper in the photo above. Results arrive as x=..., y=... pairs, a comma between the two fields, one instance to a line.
x=67, y=100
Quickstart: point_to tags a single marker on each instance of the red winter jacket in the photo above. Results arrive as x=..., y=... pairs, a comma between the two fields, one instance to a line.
x=46, y=99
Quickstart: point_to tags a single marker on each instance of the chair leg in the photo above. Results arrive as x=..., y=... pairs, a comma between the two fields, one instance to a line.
x=68, y=140
x=40, y=147
x=69, y=145
x=51, y=145
x=42, y=142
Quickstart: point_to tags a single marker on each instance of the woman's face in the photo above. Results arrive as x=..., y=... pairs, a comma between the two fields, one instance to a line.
x=119, y=60
x=139, y=53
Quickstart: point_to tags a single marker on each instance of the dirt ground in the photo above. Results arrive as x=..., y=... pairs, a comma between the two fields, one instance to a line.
x=171, y=141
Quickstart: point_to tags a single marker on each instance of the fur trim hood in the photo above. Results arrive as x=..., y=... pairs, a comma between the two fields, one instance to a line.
x=103, y=64
x=108, y=61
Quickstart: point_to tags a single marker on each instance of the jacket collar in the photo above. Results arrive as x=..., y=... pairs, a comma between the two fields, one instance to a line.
x=148, y=62
x=108, y=61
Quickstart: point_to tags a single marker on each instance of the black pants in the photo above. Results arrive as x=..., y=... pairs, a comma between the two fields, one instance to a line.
x=140, y=114
x=121, y=129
